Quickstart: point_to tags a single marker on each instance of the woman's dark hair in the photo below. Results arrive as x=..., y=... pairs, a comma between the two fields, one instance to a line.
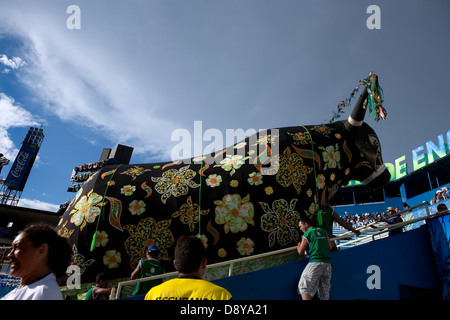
x=59, y=252
x=189, y=253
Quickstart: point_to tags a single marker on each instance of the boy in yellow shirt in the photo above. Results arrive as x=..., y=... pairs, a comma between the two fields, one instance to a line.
x=190, y=261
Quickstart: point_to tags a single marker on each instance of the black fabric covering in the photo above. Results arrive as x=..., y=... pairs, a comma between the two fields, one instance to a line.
x=242, y=211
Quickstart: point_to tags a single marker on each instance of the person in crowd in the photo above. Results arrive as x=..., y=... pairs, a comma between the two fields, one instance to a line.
x=438, y=197
x=190, y=261
x=101, y=290
x=441, y=207
x=406, y=207
x=393, y=219
x=38, y=254
x=147, y=268
x=445, y=193
x=316, y=277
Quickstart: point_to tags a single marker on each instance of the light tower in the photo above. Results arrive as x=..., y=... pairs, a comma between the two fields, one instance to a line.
x=12, y=187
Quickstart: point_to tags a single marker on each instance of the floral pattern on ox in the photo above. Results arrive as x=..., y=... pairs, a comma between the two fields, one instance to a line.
x=189, y=214
x=281, y=221
x=146, y=233
x=234, y=213
x=292, y=171
x=175, y=182
x=237, y=206
x=86, y=209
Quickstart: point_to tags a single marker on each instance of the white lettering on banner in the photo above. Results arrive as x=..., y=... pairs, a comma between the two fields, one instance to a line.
x=421, y=157
x=22, y=160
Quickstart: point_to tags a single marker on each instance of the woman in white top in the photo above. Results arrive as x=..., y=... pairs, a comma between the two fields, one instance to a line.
x=38, y=254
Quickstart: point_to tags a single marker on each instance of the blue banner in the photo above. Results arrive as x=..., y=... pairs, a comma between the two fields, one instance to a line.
x=440, y=240
x=20, y=170
x=421, y=212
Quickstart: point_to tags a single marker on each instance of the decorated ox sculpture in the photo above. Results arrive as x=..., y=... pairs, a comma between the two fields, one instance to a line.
x=242, y=201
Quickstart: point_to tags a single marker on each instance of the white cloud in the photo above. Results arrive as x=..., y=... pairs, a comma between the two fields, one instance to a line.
x=40, y=205
x=13, y=115
x=135, y=83
x=13, y=63
x=138, y=70
x=89, y=79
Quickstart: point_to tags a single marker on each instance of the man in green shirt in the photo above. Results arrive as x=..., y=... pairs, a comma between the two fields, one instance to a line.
x=147, y=268
x=325, y=217
x=317, y=274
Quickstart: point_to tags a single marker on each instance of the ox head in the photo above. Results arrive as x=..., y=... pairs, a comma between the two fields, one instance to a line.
x=371, y=171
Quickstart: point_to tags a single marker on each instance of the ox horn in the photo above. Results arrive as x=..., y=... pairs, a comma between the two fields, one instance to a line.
x=356, y=118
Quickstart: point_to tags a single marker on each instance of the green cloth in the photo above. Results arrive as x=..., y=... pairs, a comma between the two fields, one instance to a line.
x=89, y=294
x=327, y=220
x=319, y=250
x=149, y=267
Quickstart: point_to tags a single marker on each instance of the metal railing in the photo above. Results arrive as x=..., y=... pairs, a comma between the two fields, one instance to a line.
x=229, y=263
x=370, y=228
x=365, y=229
x=4, y=267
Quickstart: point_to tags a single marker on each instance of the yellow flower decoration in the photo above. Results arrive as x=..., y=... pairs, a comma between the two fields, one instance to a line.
x=175, y=182
x=112, y=258
x=189, y=214
x=86, y=209
x=245, y=246
x=147, y=232
x=234, y=213
x=135, y=171
x=101, y=239
x=292, y=171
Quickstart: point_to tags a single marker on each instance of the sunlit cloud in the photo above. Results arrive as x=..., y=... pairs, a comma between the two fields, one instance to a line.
x=13, y=115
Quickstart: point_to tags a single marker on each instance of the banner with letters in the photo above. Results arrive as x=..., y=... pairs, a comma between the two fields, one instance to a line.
x=21, y=167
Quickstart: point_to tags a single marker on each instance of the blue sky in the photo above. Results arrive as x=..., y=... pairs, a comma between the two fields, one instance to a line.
x=138, y=70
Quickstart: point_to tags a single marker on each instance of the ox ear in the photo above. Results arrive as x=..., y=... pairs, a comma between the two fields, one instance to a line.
x=356, y=118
